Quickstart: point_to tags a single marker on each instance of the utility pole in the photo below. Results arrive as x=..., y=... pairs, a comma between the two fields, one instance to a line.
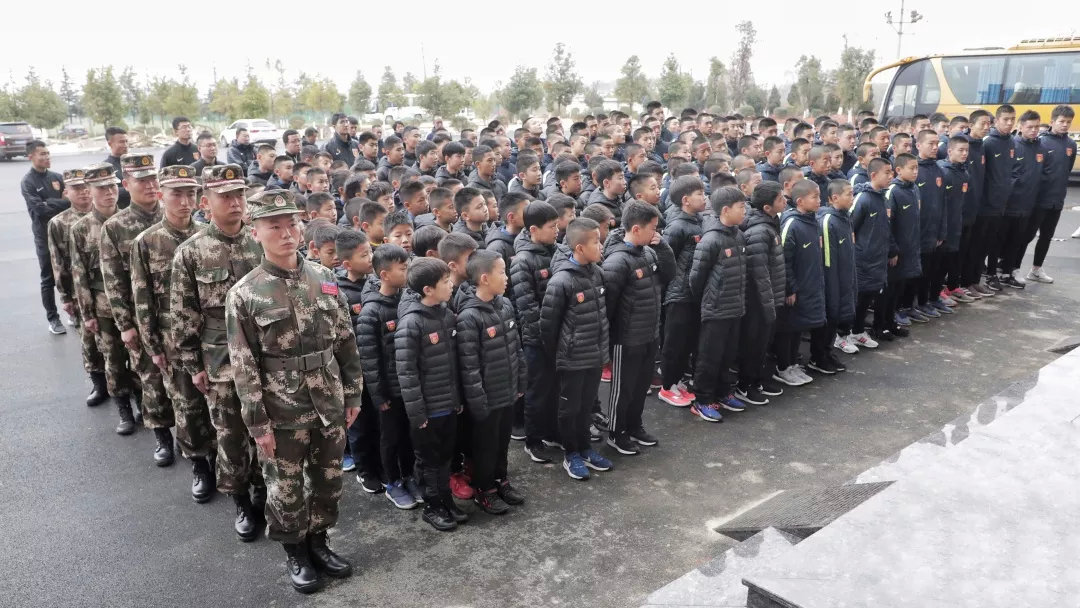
x=898, y=24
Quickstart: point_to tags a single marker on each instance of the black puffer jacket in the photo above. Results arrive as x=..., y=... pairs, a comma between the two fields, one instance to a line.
x=530, y=271
x=441, y=175
x=353, y=291
x=613, y=205
x=765, y=278
x=497, y=187
x=426, y=357
x=501, y=242
x=375, y=329
x=634, y=279
x=573, y=318
x=682, y=235
x=718, y=273
x=489, y=355
x=479, y=236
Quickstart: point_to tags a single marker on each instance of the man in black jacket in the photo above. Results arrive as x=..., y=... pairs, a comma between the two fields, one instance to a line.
x=241, y=151
x=43, y=192
x=637, y=265
x=1060, y=157
x=208, y=149
x=117, y=141
x=1000, y=155
x=183, y=151
x=341, y=146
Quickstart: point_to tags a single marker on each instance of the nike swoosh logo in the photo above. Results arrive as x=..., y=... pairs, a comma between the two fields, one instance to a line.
x=805, y=245
x=1020, y=158
x=921, y=184
x=842, y=241
x=996, y=155
x=948, y=187
x=873, y=214
x=906, y=206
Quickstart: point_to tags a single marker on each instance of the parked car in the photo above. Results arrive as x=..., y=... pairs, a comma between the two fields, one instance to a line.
x=259, y=128
x=13, y=139
x=73, y=131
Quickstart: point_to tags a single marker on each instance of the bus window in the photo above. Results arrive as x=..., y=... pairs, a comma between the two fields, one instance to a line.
x=1042, y=79
x=975, y=80
x=905, y=90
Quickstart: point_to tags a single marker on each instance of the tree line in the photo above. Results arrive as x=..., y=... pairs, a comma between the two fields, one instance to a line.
x=109, y=96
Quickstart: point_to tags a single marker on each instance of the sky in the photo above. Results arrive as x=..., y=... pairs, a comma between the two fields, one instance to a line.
x=335, y=39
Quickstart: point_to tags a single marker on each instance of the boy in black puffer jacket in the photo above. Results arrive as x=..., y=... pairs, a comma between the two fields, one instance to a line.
x=426, y=358
x=765, y=283
x=718, y=277
x=493, y=376
x=375, y=327
x=637, y=265
x=574, y=334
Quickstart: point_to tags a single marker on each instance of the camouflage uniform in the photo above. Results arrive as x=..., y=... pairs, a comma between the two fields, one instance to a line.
x=204, y=268
x=297, y=369
x=59, y=231
x=89, y=287
x=151, y=271
x=117, y=236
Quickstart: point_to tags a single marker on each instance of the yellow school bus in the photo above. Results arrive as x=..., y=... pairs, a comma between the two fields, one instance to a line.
x=1036, y=74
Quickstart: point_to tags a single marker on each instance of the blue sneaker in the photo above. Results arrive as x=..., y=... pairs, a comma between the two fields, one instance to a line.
x=901, y=319
x=348, y=464
x=942, y=308
x=575, y=466
x=917, y=316
x=399, y=495
x=732, y=404
x=595, y=461
x=706, y=412
x=929, y=311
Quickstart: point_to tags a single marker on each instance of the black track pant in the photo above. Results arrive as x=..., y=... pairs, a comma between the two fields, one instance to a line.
x=1044, y=222
x=577, y=392
x=631, y=372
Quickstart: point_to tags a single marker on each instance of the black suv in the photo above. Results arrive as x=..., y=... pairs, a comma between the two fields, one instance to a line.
x=13, y=139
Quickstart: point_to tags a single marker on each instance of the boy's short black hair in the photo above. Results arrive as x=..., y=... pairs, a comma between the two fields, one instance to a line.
x=427, y=238
x=1001, y=111
x=803, y=188
x=637, y=213
x=1062, y=111
x=464, y=197
x=538, y=213
x=565, y=169
x=316, y=200
x=876, y=163
x=607, y=170
x=653, y=168
x=424, y=147
x=455, y=245
x=379, y=189
x=865, y=148
x=726, y=197
x=179, y=120
x=686, y=170
x=393, y=140
x=787, y=173
x=451, y=183
x=745, y=176
x=370, y=211
x=526, y=160
x=561, y=202
x=902, y=160
x=439, y=137
x=352, y=208
x=765, y=194
x=397, y=218
x=425, y=272
x=1029, y=115
x=324, y=233
x=512, y=202
x=439, y=198
x=338, y=178
x=451, y=148
x=599, y=213
x=278, y=160
x=315, y=171
x=409, y=191
x=387, y=255
x=365, y=137
x=958, y=120
x=639, y=183
x=719, y=180
x=480, y=263
x=578, y=231
x=771, y=142
x=353, y=185
x=348, y=241
x=926, y=133
x=837, y=187
x=683, y=187
x=956, y=141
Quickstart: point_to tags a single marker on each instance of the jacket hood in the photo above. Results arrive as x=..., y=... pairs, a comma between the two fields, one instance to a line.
x=523, y=242
x=679, y=214
x=499, y=234
x=951, y=166
x=466, y=298
x=715, y=225
x=616, y=241
x=465, y=290
x=410, y=303
x=863, y=187
x=371, y=293
x=561, y=260
x=998, y=134
x=343, y=280
x=830, y=210
x=756, y=217
x=899, y=182
x=927, y=162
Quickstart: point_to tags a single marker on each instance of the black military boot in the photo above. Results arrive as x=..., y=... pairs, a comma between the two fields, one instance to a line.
x=163, y=453
x=202, y=480
x=99, y=392
x=127, y=421
x=247, y=528
x=325, y=560
x=304, y=577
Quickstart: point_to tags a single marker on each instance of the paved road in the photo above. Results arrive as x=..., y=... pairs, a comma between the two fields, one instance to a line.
x=89, y=521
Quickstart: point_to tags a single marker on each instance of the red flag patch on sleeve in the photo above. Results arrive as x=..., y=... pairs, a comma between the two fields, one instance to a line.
x=329, y=288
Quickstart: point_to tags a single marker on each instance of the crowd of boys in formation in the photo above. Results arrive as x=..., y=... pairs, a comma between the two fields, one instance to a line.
x=405, y=307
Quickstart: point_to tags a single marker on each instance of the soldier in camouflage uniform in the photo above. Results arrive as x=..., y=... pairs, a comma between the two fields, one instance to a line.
x=204, y=268
x=298, y=376
x=92, y=304
x=77, y=192
x=117, y=236
x=151, y=271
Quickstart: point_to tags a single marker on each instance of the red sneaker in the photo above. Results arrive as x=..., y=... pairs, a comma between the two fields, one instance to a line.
x=674, y=397
x=690, y=397
x=605, y=375
x=460, y=487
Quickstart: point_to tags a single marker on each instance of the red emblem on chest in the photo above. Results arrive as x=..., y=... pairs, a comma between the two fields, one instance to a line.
x=491, y=332
x=543, y=273
x=1068, y=151
x=356, y=309
x=964, y=187
x=391, y=325
x=1012, y=153
x=329, y=288
x=640, y=273
x=727, y=252
x=1038, y=158
x=938, y=182
x=434, y=337
x=697, y=238
x=580, y=297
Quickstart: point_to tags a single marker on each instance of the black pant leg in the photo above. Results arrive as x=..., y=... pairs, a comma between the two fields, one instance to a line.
x=434, y=446
x=753, y=344
x=862, y=305
x=570, y=390
x=730, y=329
x=680, y=337
x=363, y=440
x=1047, y=226
x=821, y=342
x=590, y=384
x=710, y=354
x=966, y=271
x=391, y=437
x=485, y=445
x=48, y=282
x=540, y=395
x=506, y=422
x=640, y=386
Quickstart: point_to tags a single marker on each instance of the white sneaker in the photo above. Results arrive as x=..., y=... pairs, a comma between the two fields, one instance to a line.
x=789, y=376
x=862, y=340
x=1039, y=276
x=844, y=345
x=1076, y=235
x=1019, y=279
x=807, y=378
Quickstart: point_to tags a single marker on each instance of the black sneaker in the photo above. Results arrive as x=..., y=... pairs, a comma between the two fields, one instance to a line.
x=439, y=518
x=770, y=388
x=993, y=282
x=839, y=365
x=491, y=502
x=883, y=335
x=510, y=494
x=751, y=395
x=601, y=421
x=1010, y=281
x=537, y=453
x=370, y=483
x=517, y=433
x=623, y=444
x=824, y=367
x=643, y=437
x=57, y=328
x=900, y=332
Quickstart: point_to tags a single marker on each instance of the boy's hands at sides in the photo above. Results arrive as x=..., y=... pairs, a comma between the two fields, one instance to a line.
x=790, y=300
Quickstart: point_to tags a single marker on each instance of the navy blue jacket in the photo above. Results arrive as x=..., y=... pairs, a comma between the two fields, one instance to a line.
x=956, y=187
x=976, y=167
x=1060, y=155
x=849, y=161
x=823, y=183
x=858, y=175
x=903, y=207
x=874, y=243
x=1000, y=157
x=769, y=173
x=839, y=256
x=932, y=218
x=1026, y=177
x=346, y=150
x=804, y=270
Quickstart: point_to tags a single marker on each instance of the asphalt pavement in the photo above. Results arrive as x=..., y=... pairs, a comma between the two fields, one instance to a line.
x=90, y=521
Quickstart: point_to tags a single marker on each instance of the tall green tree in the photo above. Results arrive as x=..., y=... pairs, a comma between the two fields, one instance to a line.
x=808, y=92
x=855, y=65
x=716, y=89
x=103, y=97
x=409, y=83
x=633, y=85
x=134, y=97
x=774, y=99
x=523, y=92
x=157, y=94
x=225, y=98
x=70, y=95
x=254, y=99
x=742, y=77
x=9, y=109
x=696, y=96
x=593, y=100
x=673, y=86
x=183, y=97
x=442, y=98
x=359, y=94
x=562, y=82
x=757, y=99
x=38, y=104
x=390, y=93
x=320, y=96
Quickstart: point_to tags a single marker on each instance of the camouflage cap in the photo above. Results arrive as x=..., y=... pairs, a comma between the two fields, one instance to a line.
x=74, y=177
x=138, y=166
x=223, y=178
x=101, y=174
x=177, y=176
x=269, y=203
